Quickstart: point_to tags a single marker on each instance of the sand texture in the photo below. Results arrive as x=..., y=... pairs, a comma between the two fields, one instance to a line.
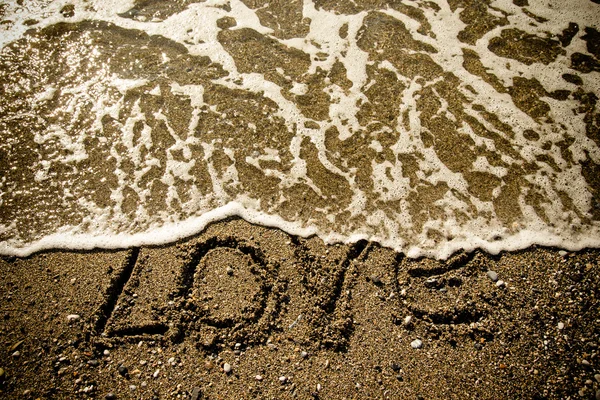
x=294, y=318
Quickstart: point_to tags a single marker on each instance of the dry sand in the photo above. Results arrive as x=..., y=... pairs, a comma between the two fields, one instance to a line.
x=295, y=318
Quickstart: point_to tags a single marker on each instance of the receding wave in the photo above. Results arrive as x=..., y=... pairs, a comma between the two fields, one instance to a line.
x=427, y=126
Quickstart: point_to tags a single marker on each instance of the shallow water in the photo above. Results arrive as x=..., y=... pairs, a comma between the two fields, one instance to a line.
x=427, y=126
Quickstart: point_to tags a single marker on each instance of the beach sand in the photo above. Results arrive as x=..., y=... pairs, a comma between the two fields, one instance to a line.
x=290, y=317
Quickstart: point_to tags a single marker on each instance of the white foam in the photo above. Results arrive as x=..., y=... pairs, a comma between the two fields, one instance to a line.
x=381, y=212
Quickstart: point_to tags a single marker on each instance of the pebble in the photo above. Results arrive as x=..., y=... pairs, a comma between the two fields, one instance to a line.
x=132, y=387
x=229, y=271
x=123, y=371
x=561, y=326
x=258, y=378
x=562, y=253
x=492, y=275
x=596, y=377
x=416, y=344
x=93, y=363
x=73, y=317
x=227, y=368
x=110, y=396
x=407, y=320
x=2, y=374
x=106, y=352
x=156, y=373
x=303, y=354
x=195, y=393
x=598, y=394
x=16, y=353
x=500, y=284
x=282, y=379
x=26, y=392
x=319, y=387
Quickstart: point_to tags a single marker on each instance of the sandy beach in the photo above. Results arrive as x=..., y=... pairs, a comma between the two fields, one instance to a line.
x=250, y=199
x=243, y=311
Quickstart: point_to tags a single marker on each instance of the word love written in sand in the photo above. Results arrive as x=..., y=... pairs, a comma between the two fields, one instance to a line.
x=219, y=291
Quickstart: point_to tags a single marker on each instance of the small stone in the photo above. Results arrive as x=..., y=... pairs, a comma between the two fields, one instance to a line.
x=416, y=344
x=492, y=275
x=258, y=378
x=319, y=387
x=2, y=374
x=73, y=317
x=93, y=363
x=123, y=371
x=597, y=378
x=229, y=271
x=195, y=393
x=598, y=394
x=282, y=379
x=395, y=367
x=562, y=253
x=26, y=392
x=227, y=368
x=375, y=279
x=303, y=354
x=132, y=387
x=106, y=352
x=16, y=354
x=500, y=284
x=585, y=362
x=407, y=320
x=16, y=345
x=110, y=396
x=156, y=373
x=561, y=326
x=431, y=282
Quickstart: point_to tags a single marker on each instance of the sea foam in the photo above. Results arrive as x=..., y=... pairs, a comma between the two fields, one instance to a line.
x=413, y=125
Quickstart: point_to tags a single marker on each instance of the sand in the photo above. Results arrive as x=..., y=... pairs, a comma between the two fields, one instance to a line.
x=294, y=318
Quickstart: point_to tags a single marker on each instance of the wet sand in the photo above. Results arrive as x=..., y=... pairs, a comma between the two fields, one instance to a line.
x=293, y=318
